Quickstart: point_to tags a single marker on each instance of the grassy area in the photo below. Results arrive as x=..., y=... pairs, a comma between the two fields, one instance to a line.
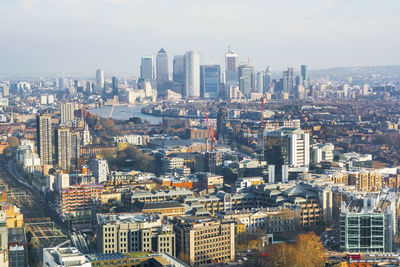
x=139, y=254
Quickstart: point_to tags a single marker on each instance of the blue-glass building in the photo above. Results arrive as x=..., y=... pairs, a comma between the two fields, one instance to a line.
x=209, y=81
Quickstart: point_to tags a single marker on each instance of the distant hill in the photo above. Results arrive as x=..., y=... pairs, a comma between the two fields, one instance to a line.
x=380, y=72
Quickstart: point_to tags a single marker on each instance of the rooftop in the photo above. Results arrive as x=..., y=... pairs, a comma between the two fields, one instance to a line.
x=69, y=256
x=105, y=218
x=105, y=257
x=159, y=205
x=16, y=234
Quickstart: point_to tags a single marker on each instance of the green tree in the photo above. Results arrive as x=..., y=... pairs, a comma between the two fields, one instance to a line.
x=306, y=251
x=13, y=141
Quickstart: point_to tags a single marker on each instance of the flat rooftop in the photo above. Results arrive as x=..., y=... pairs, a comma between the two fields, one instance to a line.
x=104, y=218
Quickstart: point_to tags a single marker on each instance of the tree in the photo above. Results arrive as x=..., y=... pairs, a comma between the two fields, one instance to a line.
x=134, y=158
x=13, y=141
x=246, y=150
x=107, y=123
x=306, y=251
x=310, y=250
x=280, y=254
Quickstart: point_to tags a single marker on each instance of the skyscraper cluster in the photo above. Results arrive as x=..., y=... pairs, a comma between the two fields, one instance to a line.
x=190, y=79
x=193, y=80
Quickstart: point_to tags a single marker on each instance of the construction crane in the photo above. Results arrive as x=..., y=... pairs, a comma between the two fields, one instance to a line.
x=211, y=131
x=262, y=112
x=262, y=125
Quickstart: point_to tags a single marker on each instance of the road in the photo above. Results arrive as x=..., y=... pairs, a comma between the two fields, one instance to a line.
x=366, y=258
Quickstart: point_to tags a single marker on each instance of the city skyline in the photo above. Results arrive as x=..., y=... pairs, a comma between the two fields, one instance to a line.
x=58, y=37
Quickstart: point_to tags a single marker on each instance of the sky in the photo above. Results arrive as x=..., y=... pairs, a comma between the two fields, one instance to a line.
x=79, y=36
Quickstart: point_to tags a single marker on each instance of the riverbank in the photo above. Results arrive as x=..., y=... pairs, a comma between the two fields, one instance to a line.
x=125, y=112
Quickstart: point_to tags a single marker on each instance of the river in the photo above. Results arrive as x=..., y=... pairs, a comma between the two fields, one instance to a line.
x=126, y=112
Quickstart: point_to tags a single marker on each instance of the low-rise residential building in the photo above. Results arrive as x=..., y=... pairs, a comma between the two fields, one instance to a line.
x=365, y=180
x=133, y=139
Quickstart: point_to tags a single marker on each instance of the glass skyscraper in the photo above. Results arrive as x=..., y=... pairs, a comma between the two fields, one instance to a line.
x=146, y=68
x=192, y=74
x=162, y=70
x=231, y=75
x=114, y=86
x=99, y=80
x=246, y=79
x=209, y=81
x=305, y=76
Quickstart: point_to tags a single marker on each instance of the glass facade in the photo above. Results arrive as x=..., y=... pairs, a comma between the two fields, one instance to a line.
x=365, y=232
x=209, y=81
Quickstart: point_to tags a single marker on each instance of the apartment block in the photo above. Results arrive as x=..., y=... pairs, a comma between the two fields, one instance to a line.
x=364, y=180
x=76, y=204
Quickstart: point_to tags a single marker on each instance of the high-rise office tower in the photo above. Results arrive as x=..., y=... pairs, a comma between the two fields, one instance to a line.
x=44, y=139
x=222, y=121
x=192, y=74
x=305, y=76
x=162, y=71
x=115, y=86
x=299, y=80
x=64, y=148
x=67, y=111
x=260, y=81
x=99, y=80
x=231, y=71
x=178, y=74
x=61, y=83
x=67, y=147
x=209, y=81
x=245, y=79
x=146, y=68
x=89, y=88
x=287, y=146
x=267, y=79
x=288, y=81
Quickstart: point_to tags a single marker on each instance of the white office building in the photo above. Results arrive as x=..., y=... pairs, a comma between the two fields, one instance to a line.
x=192, y=74
x=70, y=256
x=62, y=181
x=100, y=169
x=99, y=80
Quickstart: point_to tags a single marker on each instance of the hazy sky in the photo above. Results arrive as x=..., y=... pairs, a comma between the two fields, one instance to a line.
x=78, y=36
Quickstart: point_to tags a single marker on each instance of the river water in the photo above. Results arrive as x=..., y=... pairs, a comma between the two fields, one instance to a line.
x=125, y=113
